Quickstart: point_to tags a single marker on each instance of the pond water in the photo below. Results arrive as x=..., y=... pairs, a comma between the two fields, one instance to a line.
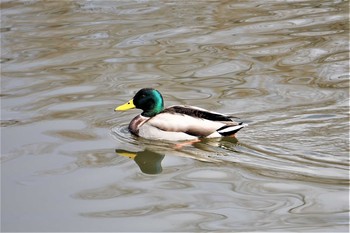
x=68, y=162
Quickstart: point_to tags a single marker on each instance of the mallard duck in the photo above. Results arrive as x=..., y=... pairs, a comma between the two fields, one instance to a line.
x=178, y=122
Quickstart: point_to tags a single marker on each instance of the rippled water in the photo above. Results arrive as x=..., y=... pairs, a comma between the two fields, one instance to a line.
x=68, y=162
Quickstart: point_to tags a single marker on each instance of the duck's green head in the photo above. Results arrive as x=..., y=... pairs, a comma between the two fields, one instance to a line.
x=147, y=99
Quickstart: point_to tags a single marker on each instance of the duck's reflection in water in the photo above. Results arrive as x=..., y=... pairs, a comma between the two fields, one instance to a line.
x=148, y=161
x=207, y=150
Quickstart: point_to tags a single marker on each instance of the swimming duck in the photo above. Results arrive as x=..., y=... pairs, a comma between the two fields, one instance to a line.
x=178, y=122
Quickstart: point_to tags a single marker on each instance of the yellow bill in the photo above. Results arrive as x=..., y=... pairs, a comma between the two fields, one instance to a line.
x=128, y=105
x=130, y=155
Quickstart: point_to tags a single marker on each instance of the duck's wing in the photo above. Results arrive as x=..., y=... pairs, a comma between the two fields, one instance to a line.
x=198, y=113
x=192, y=121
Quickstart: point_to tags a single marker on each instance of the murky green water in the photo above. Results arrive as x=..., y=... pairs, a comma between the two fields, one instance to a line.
x=68, y=162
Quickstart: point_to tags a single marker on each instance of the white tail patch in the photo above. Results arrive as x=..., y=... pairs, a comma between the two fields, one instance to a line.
x=231, y=129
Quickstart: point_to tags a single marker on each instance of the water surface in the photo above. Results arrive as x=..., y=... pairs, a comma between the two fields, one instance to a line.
x=68, y=162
